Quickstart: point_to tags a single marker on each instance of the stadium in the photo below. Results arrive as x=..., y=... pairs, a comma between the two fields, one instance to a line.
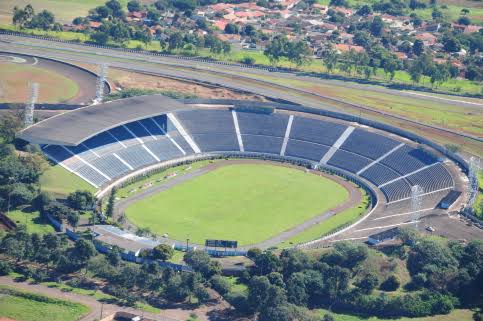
x=112, y=144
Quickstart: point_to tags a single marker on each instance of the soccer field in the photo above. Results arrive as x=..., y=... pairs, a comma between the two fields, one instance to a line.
x=244, y=202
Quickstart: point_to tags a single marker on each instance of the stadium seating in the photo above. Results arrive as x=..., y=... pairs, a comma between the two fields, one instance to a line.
x=432, y=178
x=379, y=174
x=368, y=144
x=397, y=190
x=348, y=161
x=406, y=160
x=316, y=131
x=305, y=150
x=262, y=124
x=262, y=144
x=117, y=151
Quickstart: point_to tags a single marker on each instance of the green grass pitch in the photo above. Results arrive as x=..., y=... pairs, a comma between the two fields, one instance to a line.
x=244, y=202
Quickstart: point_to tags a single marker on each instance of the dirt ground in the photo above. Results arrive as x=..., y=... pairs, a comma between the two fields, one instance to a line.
x=119, y=78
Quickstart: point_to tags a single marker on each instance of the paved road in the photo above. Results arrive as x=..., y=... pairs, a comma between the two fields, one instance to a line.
x=232, y=77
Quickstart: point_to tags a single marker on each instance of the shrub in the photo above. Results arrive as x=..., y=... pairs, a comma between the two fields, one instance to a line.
x=248, y=60
x=5, y=268
x=392, y=283
x=220, y=284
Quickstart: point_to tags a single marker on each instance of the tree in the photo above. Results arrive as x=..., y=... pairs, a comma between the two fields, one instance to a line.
x=296, y=291
x=362, y=38
x=73, y=219
x=464, y=20
x=110, y=203
x=99, y=37
x=175, y=41
x=276, y=49
x=103, y=11
x=368, y=283
x=200, y=262
x=365, y=10
x=436, y=14
x=184, y=5
x=266, y=263
x=392, y=283
x=133, y=5
x=330, y=60
x=257, y=292
x=5, y=268
x=440, y=73
x=376, y=26
x=418, y=47
x=451, y=44
x=231, y=28
x=83, y=250
x=220, y=284
x=162, y=252
x=347, y=254
x=43, y=20
x=465, y=11
x=80, y=200
x=338, y=3
x=115, y=7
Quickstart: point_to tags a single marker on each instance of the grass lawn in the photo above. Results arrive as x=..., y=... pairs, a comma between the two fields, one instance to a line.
x=244, y=202
x=15, y=78
x=60, y=182
x=64, y=10
x=455, y=315
x=26, y=306
x=34, y=222
x=465, y=119
x=343, y=218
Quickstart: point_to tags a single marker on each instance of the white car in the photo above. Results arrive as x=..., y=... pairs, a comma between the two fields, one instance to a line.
x=430, y=229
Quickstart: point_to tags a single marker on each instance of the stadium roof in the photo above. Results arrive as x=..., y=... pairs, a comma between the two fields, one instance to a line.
x=73, y=127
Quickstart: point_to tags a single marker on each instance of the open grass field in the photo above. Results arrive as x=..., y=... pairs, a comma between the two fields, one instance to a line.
x=60, y=182
x=25, y=306
x=455, y=315
x=32, y=220
x=468, y=119
x=244, y=202
x=15, y=78
x=64, y=10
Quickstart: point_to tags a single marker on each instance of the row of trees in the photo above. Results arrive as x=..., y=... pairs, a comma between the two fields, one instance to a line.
x=49, y=257
x=280, y=47
x=27, y=18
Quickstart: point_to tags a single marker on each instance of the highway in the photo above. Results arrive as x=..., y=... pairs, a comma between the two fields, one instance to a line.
x=236, y=78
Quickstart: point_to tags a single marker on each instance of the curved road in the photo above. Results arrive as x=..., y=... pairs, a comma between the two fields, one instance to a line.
x=233, y=77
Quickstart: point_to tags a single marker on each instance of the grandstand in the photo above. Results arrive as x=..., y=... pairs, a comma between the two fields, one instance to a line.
x=117, y=141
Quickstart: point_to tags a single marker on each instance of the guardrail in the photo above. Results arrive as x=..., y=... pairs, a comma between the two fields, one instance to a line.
x=144, y=52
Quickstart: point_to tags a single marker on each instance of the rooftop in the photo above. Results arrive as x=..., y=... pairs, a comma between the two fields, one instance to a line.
x=58, y=130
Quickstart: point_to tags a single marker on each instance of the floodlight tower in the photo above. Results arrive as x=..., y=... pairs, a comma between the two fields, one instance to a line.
x=101, y=79
x=416, y=204
x=30, y=106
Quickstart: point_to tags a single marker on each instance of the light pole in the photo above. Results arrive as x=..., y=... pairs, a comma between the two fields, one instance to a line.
x=187, y=242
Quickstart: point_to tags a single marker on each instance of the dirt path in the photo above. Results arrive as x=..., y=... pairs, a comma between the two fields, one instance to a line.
x=210, y=311
x=355, y=197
